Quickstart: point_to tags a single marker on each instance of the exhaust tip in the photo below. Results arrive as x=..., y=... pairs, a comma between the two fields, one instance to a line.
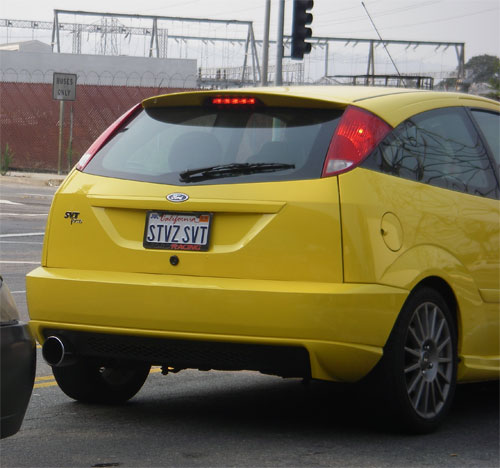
x=55, y=353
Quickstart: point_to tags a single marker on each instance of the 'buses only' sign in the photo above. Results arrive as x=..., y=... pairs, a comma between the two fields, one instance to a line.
x=64, y=87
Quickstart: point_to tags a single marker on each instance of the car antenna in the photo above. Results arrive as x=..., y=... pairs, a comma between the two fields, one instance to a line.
x=383, y=43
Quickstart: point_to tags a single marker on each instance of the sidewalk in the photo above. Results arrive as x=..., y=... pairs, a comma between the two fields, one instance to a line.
x=33, y=178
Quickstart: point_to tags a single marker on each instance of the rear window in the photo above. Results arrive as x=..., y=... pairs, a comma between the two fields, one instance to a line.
x=169, y=145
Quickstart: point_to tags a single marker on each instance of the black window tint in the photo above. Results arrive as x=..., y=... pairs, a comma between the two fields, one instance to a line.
x=439, y=148
x=489, y=123
x=159, y=144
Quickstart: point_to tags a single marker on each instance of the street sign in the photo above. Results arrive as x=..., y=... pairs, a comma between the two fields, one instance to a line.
x=64, y=87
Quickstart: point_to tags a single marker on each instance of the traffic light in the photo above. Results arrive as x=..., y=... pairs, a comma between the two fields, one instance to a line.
x=301, y=18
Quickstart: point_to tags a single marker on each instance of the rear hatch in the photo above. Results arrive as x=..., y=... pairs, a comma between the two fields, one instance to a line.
x=205, y=184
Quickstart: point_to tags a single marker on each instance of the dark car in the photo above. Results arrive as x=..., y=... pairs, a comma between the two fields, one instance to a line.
x=18, y=364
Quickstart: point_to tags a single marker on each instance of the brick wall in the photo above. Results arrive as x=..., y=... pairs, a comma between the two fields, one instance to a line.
x=29, y=120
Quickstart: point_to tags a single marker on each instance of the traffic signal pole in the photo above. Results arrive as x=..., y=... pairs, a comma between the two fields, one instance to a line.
x=278, y=81
x=265, y=45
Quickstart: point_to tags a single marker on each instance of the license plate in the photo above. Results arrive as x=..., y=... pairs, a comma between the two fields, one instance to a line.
x=177, y=231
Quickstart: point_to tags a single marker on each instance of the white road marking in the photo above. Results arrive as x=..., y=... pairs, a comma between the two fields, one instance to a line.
x=36, y=195
x=22, y=262
x=24, y=214
x=18, y=292
x=8, y=202
x=20, y=242
x=24, y=234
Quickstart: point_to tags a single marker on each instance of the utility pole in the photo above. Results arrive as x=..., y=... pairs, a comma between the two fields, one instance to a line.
x=278, y=81
x=265, y=44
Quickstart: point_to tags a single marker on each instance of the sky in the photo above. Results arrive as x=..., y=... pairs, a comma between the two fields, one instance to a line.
x=475, y=22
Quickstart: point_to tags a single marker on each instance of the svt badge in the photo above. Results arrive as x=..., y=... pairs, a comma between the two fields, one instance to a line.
x=73, y=216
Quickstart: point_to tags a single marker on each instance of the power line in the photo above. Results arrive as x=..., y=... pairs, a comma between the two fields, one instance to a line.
x=392, y=11
x=441, y=20
x=380, y=37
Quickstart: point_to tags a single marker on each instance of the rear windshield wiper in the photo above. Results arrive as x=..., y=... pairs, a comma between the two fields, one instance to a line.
x=231, y=170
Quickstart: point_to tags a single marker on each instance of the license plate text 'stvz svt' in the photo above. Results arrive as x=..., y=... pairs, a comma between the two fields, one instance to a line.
x=177, y=231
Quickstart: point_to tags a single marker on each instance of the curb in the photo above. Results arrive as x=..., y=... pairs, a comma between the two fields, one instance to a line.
x=39, y=179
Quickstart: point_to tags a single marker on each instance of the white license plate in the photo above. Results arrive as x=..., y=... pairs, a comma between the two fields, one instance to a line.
x=177, y=231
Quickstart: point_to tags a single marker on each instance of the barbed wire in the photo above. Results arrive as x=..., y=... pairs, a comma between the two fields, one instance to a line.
x=104, y=78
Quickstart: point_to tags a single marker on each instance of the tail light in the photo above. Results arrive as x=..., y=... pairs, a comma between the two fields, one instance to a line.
x=356, y=136
x=106, y=136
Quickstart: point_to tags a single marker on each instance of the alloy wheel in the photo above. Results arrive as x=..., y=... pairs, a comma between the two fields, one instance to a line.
x=428, y=365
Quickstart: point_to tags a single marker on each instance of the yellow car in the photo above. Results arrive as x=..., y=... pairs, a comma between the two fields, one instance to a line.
x=328, y=233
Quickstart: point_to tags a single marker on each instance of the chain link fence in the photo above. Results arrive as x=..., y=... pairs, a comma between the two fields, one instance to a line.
x=29, y=117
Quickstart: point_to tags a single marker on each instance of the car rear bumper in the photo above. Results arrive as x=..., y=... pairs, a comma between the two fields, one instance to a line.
x=342, y=327
x=18, y=366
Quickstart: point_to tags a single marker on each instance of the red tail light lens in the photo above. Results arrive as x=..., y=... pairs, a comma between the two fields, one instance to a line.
x=106, y=135
x=233, y=101
x=356, y=136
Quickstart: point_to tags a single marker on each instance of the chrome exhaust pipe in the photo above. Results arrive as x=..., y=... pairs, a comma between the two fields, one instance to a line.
x=56, y=353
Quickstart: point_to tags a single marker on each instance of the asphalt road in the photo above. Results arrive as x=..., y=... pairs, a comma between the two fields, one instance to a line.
x=219, y=418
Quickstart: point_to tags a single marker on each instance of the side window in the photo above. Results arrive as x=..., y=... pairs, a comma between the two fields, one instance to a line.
x=489, y=123
x=440, y=148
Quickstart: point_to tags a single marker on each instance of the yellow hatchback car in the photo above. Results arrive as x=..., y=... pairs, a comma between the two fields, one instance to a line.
x=328, y=233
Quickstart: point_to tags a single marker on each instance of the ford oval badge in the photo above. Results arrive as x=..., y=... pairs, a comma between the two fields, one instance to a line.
x=177, y=197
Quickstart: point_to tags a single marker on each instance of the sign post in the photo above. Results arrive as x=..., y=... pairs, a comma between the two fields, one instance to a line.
x=63, y=89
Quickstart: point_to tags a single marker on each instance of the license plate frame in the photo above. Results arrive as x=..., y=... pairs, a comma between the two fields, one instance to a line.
x=177, y=231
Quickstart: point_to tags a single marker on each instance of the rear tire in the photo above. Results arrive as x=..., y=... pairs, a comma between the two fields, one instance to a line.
x=417, y=374
x=90, y=382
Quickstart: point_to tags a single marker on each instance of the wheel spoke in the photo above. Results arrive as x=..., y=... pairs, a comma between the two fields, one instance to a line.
x=426, y=397
x=415, y=337
x=419, y=323
x=444, y=343
x=426, y=321
x=439, y=331
x=413, y=352
x=416, y=380
x=440, y=372
x=419, y=394
x=433, y=395
x=413, y=367
x=439, y=389
x=444, y=360
x=433, y=322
